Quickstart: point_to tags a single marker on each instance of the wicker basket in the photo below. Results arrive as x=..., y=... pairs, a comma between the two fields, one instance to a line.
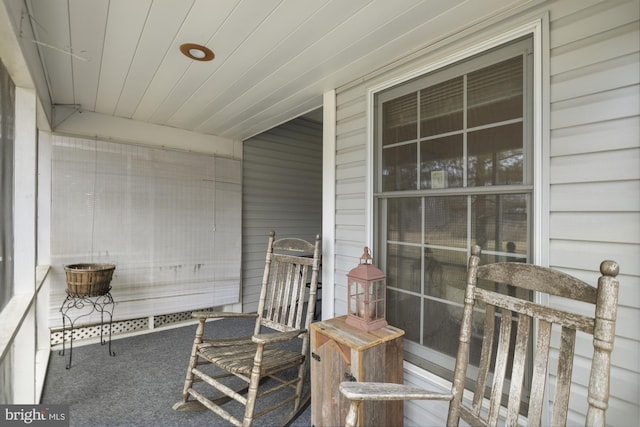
x=88, y=279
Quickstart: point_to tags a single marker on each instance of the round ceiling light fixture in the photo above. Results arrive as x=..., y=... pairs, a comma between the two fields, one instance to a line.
x=196, y=52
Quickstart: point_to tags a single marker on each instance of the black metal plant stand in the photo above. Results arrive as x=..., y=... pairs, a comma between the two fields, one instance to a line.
x=89, y=304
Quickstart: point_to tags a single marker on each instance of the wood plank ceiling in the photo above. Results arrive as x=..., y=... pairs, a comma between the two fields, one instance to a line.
x=273, y=58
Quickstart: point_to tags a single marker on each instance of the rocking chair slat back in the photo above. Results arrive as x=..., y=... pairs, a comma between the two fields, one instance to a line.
x=518, y=371
x=540, y=369
x=514, y=348
x=545, y=280
x=290, y=266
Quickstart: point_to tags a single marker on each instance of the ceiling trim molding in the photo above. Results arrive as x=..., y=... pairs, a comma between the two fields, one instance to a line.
x=88, y=124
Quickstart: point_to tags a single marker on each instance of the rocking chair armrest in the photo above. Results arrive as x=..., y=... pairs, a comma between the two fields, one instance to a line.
x=220, y=314
x=276, y=337
x=387, y=391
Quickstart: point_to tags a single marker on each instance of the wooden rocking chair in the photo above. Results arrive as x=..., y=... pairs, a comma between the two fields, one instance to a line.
x=252, y=359
x=485, y=407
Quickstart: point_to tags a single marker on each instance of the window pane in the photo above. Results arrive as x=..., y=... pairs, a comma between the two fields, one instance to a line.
x=494, y=93
x=441, y=108
x=442, y=327
x=496, y=156
x=500, y=223
x=403, y=311
x=441, y=162
x=399, y=119
x=404, y=216
x=403, y=267
x=441, y=317
x=399, y=168
x=445, y=274
x=446, y=221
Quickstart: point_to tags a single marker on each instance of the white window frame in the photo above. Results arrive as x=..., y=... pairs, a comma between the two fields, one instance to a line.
x=540, y=132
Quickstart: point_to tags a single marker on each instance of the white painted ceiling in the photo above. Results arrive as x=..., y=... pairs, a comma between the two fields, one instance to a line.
x=273, y=58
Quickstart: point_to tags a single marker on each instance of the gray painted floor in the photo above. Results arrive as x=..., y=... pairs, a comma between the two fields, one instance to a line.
x=141, y=383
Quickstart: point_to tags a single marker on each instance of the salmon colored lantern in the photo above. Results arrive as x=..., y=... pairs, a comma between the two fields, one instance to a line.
x=366, y=285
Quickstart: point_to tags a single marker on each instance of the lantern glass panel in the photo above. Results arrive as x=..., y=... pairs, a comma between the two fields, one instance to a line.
x=356, y=296
x=366, y=286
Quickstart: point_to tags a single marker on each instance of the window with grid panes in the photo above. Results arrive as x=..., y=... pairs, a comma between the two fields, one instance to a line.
x=453, y=169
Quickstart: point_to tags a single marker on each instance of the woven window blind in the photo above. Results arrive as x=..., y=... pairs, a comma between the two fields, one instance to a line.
x=168, y=220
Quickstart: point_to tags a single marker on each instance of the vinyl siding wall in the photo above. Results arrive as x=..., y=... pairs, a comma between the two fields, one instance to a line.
x=590, y=158
x=282, y=191
x=594, y=173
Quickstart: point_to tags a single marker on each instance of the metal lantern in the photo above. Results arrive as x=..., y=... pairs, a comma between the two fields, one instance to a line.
x=367, y=295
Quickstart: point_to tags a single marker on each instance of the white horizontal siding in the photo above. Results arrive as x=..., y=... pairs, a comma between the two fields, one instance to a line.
x=607, y=166
x=600, y=47
x=595, y=176
x=591, y=137
x=620, y=227
x=417, y=412
x=282, y=191
x=596, y=197
x=599, y=77
x=599, y=107
x=594, y=19
x=351, y=188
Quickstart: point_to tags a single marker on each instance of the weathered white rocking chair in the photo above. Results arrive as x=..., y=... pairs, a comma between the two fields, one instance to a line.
x=289, y=263
x=520, y=313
